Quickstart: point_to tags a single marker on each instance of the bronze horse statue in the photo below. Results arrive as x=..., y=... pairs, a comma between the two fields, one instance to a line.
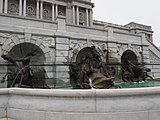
x=91, y=72
x=131, y=72
x=79, y=77
x=22, y=75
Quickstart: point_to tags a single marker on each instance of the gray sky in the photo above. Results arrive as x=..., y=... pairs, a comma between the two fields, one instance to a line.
x=125, y=11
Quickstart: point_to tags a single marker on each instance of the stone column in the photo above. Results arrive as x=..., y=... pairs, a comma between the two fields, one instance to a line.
x=91, y=17
x=53, y=12
x=27, y=35
x=41, y=10
x=87, y=17
x=24, y=7
x=62, y=70
x=5, y=6
x=20, y=7
x=69, y=18
x=145, y=49
x=1, y=44
x=61, y=26
x=111, y=44
x=37, y=9
x=77, y=12
x=1, y=6
x=110, y=34
x=62, y=51
x=73, y=14
x=56, y=11
x=3, y=68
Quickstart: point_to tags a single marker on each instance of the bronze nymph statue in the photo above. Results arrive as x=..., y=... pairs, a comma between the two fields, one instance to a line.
x=22, y=74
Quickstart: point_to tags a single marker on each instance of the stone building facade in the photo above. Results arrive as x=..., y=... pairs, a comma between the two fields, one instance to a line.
x=57, y=30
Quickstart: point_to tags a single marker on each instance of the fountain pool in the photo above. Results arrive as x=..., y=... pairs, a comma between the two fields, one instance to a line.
x=147, y=83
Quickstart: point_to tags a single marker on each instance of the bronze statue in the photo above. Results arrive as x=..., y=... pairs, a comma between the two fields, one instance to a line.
x=22, y=74
x=91, y=69
x=78, y=76
x=95, y=61
x=134, y=73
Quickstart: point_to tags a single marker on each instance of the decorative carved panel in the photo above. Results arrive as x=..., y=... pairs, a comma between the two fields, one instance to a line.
x=31, y=9
x=61, y=10
x=82, y=16
x=13, y=7
x=47, y=44
x=77, y=45
x=8, y=40
x=46, y=41
x=123, y=47
x=47, y=11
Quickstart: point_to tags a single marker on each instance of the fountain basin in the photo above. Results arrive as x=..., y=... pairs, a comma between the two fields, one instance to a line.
x=94, y=104
x=147, y=83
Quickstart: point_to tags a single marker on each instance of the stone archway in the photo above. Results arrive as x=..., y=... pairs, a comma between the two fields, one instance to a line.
x=128, y=55
x=82, y=53
x=132, y=57
x=37, y=62
x=20, y=50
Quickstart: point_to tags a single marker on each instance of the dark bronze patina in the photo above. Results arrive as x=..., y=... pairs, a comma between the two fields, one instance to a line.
x=91, y=71
x=131, y=71
x=22, y=74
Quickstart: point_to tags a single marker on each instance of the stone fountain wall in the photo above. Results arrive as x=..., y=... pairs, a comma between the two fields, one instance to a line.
x=116, y=104
x=61, y=41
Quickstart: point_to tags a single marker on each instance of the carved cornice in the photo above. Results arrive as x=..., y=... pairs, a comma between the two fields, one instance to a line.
x=80, y=1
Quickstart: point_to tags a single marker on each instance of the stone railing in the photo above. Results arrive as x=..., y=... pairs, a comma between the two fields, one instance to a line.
x=56, y=104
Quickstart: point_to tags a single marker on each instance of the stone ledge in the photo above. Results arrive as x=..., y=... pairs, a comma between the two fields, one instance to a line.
x=6, y=119
x=60, y=104
x=80, y=93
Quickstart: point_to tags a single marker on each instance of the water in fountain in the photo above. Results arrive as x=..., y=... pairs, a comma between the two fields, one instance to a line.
x=90, y=83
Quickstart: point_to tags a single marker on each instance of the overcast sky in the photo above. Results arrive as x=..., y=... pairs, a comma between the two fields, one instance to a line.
x=125, y=11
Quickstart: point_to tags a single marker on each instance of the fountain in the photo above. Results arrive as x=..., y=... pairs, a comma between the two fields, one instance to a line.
x=92, y=96
x=131, y=70
x=91, y=70
x=21, y=76
x=60, y=33
x=135, y=75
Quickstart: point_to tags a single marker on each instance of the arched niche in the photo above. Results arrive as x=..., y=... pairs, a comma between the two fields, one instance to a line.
x=82, y=53
x=127, y=55
x=20, y=50
x=37, y=62
x=131, y=57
